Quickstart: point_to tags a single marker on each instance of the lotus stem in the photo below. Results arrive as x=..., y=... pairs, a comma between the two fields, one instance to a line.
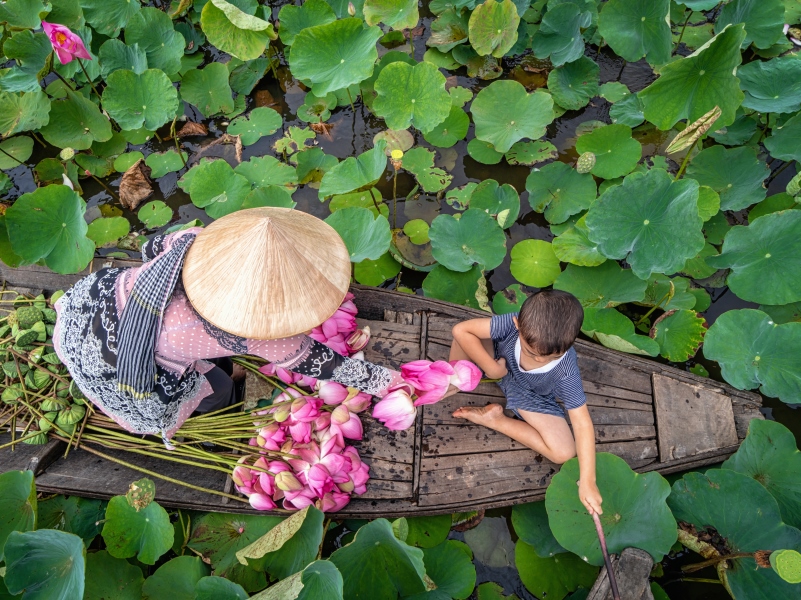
x=15, y=159
x=667, y=297
x=683, y=27
x=38, y=139
x=89, y=79
x=609, y=571
x=322, y=539
x=686, y=161
x=713, y=561
x=351, y=101
x=64, y=81
x=394, y=199
x=108, y=189
x=775, y=174
x=272, y=52
x=175, y=139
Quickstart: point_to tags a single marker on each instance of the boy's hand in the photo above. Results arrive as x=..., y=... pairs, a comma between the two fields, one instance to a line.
x=590, y=497
x=501, y=370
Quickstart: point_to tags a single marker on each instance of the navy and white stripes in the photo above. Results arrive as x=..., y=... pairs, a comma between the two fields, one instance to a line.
x=535, y=392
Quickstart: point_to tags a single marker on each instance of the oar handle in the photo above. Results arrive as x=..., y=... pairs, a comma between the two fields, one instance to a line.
x=610, y=573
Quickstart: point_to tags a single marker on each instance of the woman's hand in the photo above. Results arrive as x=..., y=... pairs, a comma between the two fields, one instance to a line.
x=590, y=497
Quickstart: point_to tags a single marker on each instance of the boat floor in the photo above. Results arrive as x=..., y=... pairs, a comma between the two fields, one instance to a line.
x=652, y=415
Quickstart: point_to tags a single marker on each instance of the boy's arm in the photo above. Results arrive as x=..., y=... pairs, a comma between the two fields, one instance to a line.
x=584, y=433
x=469, y=334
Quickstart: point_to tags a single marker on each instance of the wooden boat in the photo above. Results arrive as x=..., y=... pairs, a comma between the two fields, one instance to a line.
x=654, y=416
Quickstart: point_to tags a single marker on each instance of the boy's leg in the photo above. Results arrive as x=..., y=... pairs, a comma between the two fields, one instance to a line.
x=548, y=435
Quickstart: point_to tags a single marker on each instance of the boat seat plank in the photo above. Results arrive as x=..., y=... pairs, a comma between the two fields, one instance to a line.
x=387, y=470
x=391, y=344
x=608, y=402
x=692, y=419
x=591, y=387
x=20, y=458
x=383, y=489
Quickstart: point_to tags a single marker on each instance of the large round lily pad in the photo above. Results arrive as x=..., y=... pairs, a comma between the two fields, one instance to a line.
x=420, y=163
x=772, y=86
x=448, y=30
x=573, y=84
x=745, y=514
x=76, y=123
x=364, y=234
x=234, y=31
x=604, y=286
x=573, y=246
x=559, y=36
x=475, y=238
x=734, y=173
x=23, y=112
x=105, y=231
x=263, y=171
x=146, y=534
x=763, y=259
x=635, y=512
x=637, y=28
x=616, y=152
x=531, y=526
x=616, y=331
x=499, y=201
x=411, y=95
x=451, y=130
x=208, y=89
x=45, y=564
x=650, y=220
x=115, y=55
x=108, y=576
x=769, y=455
x=534, y=263
x=450, y=567
x=553, y=577
x=335, y=55
x=452, y=286
x=397, y=14
x=219, y=588
x=260, y=122
x=493, y=27
x=48, y=224
x=19, y=148
x=107, y=17
x=216, y=187
x=152, y=30
x=376, y=272
x=753, y=351
x=295, y=19
x=763, y=20
x=560, y=191
x=355, y=173
x=690, y=87
x=73, y=515
x=504, y=114
x=18, y=504
x=176, y=579
x=679, y=334
x=140, y=100
x=783, y=142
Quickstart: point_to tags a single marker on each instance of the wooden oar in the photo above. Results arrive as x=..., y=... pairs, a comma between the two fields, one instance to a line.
x=610, y=573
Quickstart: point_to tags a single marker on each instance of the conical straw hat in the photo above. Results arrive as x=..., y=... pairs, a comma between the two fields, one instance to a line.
x=267, y=273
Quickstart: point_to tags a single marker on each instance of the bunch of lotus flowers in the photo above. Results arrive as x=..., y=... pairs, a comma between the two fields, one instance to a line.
x=340, y=332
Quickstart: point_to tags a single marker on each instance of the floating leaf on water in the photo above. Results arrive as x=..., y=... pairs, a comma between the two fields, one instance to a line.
x=559, y=35
x=364, y=234
x=428, y=532
x=355, y=173
x=613, y=91
x=616, y=152
x=152, y=31
x=615, y=331
x=411, y=95
x=763, y=20
x=449, y=131
x=20, y=148
x=313, y=164
x=146, y=99
x=45, y=564
x=155, y=214
x=234, y=31
x=493, y=27
x=76, y=123
x=18, y=504
x=460, y=288
x=217, y=188
x=491, y=542
x=573, y=246
x=417, y=230
x=260, y=122
x=146, y=534
x=603, y=286
x=397, y=14
x=176, y=579
x=73, y=515
x=219, y=588
x=530, y=522
x=106, y=574
x=530, y=153
x=736, y=174
x=475, y=238
x=772, y=86
x=161, y=163
x=499, y=201
x=448, y=30
x=295, y=19
x=573, y=84
x=105, y=232
x=376, y=272
x=637, y=28
x=628, y=111
x=208, y=88
x=492, y=591
x=262, y=171
x=270, y=195
x=560, y=191
x=783, y=141
x=554, y=577
x=420, y=163
x=107, y=17
x=785, y=313
x=534, y=263
x=679, y=334
x=668, y=293
x=483, y=152
x=459, y=198
x=697, y=267
x=508, y=300
x=401, y=140
x=23, y=112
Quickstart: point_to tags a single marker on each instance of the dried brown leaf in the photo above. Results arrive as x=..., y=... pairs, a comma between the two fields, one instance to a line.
x=135, y=185
x=193, y=129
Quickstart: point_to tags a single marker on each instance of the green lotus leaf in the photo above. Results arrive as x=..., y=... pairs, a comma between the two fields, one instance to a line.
x=504, y=113
x=573, y=246
x=770, y=456
x=449, y=30
x=763, y=259
x=397, y=14
x=772, y=86
x=125, y=161
x=530, y=153
x=735, y=173
x=449, y=131
x=628, y=111
x=208, y=89
x=442, y=60
x=531, y=525
x=152, y=30
x=31, y=51
x=669, y=293
x=449, y=565
x=105, y=232
x=635, y=512
x=367, y=199
x=637, y=28
x=452, y=286
x=137, y=136
x=355, y=173
x=499, y=201
x=484, y=67
x=365, y=235
x=321, y=579
x=176, y=579
x=107, y=17
x=679, y=334
x=763, y=20
x=690, y=87
x=475, y=238
x=270, y=195
x=428, y=532
x=459, y=198
x=697, y=267
x=783, y=142
x=534, y=263
x=604, y=286
x=491, y=542
x=417, y=230
x=245, y=75
x=785, y=313
x=559, y=36
x=218, y=537
x=376, y=272
x=155, y=214
x=493, y=27
x=614, y=330
x=218, y=189
x=335, y=55
x=146, y=534
x=145, y=99
x=23, y=111
x=650, y=220
x=73, y=515
x=508, y=300
x=219, y=588
x=613, y=91
x=739, y=132
x=747, y=517
x=262, y=171
x=553, y=577
x=111, y=148
x=15, y=151
x=260, y=122
x=560, y=191
x=616, y=153
x=483, y=152
x=573, y=84
x=698, y=5
x=716, y=228
x=162, y=163
x=45, y=564
x=234, y=31
x=708, y=202
x=316, y=109
x=411, y=95
x=108, y=575
x=48, y=224
x=753, y=351
x=420, y=163
x=18, y=504
x=295, y=19
x=378, y=565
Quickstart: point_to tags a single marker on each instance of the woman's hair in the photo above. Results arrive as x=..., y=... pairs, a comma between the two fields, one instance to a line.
x=550, y=320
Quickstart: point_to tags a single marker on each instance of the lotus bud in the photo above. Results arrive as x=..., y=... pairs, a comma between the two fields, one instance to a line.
x=332, y=393
x=340, y=415
x=346, y=487
x=359, y=402
x=67, y=181
x=261, y=502
x=66, y=154
x=351, y=9
x=358, y=339
x=287, y=482
x=585, y=162
x=281, y=414
x=66, y=44
x=141, y=493
x=396, y=410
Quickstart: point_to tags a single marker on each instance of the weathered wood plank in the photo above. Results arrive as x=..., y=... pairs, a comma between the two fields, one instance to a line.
x=606, y=401
x=591, y=387
x=383, y=489
x=19, y=458
x=691, y=419
x=388, y=470
x=381, y=443
x=632, y=452
x=391, y=344
x=618, y=376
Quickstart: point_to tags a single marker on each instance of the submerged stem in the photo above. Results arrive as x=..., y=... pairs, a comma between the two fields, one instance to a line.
x=685, y=162
x=681, y=35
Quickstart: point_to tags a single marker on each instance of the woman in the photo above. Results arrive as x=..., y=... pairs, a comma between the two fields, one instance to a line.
x=138, y=341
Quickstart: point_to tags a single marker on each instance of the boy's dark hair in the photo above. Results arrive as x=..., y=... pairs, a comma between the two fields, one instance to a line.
x=550, y=321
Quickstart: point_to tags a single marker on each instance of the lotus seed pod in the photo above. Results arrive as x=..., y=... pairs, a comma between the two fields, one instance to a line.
x=787, y=564
x=12, y=393
x=41, y=331
x=70, y=414
x=49, y=315
x=66, y=154
x=46, y=422
x=25, y=337
x=141, y=493
x=585, y=162
x=62, y=390
x=27, y=316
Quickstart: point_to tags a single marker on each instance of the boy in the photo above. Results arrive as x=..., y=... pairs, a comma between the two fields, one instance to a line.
x=533, y=356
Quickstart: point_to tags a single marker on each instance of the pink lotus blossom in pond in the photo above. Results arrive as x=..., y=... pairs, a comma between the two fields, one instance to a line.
x=396, y=410
x=66, y=44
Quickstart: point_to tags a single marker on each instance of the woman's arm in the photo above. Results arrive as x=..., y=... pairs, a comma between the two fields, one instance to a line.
x=584, y=432
x=469, y=336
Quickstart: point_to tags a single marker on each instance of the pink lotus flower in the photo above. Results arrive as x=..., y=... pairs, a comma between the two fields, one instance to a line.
x=466, y=375
x=261, y=502
x=287, y=482
x=396, y=410
x=358, y=340
x=271, y=437
x=333, y=501
x=305, y=409
x=332, y=393
x=359, y=402
x=66, y=44
x=430, y=379
x=284, y=375
x=338, y=327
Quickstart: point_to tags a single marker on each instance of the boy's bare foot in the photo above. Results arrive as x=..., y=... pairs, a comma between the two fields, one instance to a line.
x=481, y=415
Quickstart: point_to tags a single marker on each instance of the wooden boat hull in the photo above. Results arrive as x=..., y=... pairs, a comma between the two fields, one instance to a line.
x=654, y=416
